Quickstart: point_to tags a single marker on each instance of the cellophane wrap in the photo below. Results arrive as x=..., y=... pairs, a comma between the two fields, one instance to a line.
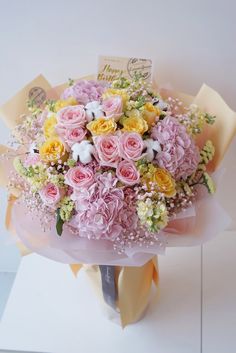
x=136, y=268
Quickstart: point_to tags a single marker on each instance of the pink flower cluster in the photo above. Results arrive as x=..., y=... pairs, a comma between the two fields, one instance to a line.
x=71, y=124
x=179, y=155
x=84, y=91
x=102, y=209
x=111, y=148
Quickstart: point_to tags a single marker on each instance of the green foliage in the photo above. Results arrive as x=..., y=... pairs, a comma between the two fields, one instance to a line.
x=50, y=104
x=209, y=119
x=59, y=223
x=209, y=183
x=120, y=83
x=71, y=163
x=70, y=82
x=66, y=208
x=207, y=153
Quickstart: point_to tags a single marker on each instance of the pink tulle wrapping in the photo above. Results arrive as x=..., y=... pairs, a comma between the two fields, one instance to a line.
x=192, y=227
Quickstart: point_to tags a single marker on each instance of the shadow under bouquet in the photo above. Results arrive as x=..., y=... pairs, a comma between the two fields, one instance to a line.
x=109, y=175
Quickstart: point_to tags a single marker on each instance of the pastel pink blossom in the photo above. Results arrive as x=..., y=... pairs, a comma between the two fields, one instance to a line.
x=179, y=154
x=107, y=148
x=79, y=177
x=128, y=216
x=50, y=194
x=71, y=136
x=85, y=91
x=127, y=173
x=71, y=117
x=31, y=159
x=131, y=145
x=98, y=208
x=113, y=107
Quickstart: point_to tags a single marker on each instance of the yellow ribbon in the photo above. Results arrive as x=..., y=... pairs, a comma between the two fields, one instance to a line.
x=133, y=285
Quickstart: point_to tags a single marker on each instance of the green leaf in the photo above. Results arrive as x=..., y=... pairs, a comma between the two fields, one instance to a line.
x=59, y=224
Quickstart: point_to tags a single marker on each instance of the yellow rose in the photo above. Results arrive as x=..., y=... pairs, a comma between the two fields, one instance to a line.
x=134, y=123
x=150, y=113
x=102, y=126
x=161, y=180
x=49, y=126
x=53, y=150
x=64, y=103
x=116, y=92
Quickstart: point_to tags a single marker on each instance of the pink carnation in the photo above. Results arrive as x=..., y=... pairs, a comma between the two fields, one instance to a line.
x=113, y=107
x=107, y=147
x=71, y=117
x=79, y=177
x=50, y=194
x=179, y=155
x=127, y=173
x=84, y=91
x=131, y=145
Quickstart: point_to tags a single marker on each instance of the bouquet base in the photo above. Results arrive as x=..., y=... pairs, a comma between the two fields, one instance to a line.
x=124, y=291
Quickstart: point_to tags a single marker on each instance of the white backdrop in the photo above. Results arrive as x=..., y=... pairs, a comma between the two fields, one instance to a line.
x=190, y=42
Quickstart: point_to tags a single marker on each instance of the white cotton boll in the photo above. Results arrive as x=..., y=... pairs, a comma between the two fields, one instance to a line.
x=83, y=150
x=161, y=105
x=151, y=145
x=33, y=147
x=93, y=110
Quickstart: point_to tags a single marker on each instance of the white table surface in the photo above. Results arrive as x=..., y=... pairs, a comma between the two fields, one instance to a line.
x=50, y=311
x=195, y=309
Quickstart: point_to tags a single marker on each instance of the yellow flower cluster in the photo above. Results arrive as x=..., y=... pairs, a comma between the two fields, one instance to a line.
x=160, y=180
x=53, y=150
x=102, y=126
x=116, y=92
x=153, y=215
x=64, y=103
x=49, y=126
x=134, y=122
x=150, y=113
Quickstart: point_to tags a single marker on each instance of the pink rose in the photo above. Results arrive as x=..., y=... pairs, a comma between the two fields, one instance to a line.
x=71, y=117
x=107, y=147
x=127, y=173
x=50, y=194
x=71, y=136
x=113, y=107
x=131, y=146
x=79, y=177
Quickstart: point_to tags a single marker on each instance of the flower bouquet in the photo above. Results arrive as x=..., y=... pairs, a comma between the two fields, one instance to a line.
x=109, y=175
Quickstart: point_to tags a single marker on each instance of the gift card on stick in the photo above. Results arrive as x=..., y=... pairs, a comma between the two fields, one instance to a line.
x=111, y=68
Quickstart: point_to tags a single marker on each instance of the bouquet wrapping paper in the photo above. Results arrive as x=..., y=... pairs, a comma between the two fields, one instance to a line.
x=132, y=284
